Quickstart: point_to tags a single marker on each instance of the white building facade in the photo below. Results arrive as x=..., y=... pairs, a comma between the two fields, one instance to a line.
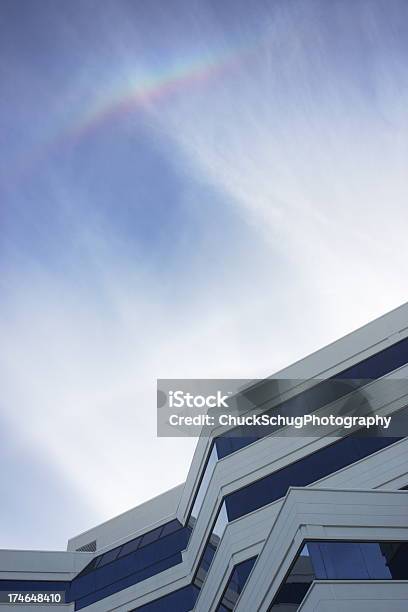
x=264, y=523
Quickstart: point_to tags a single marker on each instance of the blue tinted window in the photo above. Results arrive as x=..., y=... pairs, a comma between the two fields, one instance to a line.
x=170, y=528
x=340, y=561
x=130, y=546
x=212, y=544
x=182, y=600
x=235, y=585
x=114, y=583
x=129, y=569
x=108, y=557
x=359, y=560
x=150, y=537
x=124, y=565
x=303, y=472
x=202, y=489
x=90, y=567
x=33, y=585
x=338, y=386
x=296, y=585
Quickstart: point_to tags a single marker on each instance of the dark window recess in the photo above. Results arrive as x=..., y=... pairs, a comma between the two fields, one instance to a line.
x=235, y=585
x=296, y=585
x=340, y=561
x=182, y=600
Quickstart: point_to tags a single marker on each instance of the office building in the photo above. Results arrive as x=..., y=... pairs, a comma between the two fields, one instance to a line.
x=266, y=522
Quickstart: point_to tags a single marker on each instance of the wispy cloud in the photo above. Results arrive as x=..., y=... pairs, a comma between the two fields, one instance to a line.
x=309, y=140
x=226, y=230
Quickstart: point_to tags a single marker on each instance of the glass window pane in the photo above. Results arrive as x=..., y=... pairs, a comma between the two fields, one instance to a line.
x=340, y=561
x=150, y=537
x=235, y=585
x=170, y=528
x=109, y=556
x=130, y=546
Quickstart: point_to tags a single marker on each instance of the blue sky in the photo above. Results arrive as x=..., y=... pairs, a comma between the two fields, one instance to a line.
x=187, y=189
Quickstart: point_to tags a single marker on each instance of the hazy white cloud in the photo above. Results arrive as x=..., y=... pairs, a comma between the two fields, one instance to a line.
x=305, y=145
x=80, y=366
x=310, y=142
